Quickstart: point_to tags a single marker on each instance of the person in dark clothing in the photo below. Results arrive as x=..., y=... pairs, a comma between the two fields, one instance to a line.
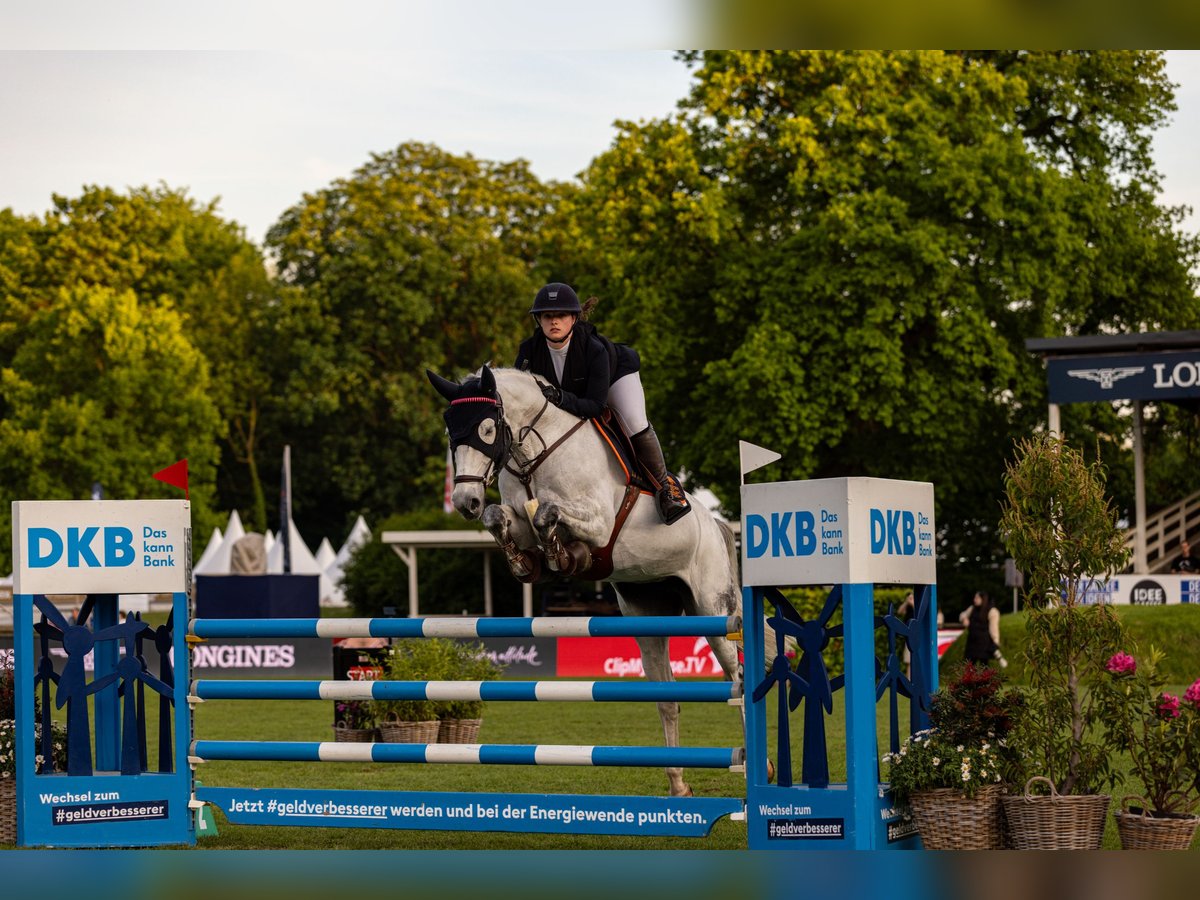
x=1185, y=562
x=983, y=631
x=585, y=372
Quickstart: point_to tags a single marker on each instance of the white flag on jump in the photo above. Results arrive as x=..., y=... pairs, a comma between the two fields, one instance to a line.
x=752, y=456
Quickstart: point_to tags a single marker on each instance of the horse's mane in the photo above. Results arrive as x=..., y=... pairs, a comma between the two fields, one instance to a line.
x=514, y=383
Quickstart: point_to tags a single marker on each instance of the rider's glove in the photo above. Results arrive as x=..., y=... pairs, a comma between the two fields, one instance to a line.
x=551, y=393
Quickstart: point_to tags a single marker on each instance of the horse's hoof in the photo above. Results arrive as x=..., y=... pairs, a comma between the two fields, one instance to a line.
x=687, y=792
x=770, y=772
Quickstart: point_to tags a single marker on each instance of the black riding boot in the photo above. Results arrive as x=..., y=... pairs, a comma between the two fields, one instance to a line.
x=672, y=504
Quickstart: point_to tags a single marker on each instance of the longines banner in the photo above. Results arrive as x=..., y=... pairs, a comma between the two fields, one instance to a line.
x=1125, y=376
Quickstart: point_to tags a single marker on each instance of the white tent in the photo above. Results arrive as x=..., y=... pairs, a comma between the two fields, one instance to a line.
x=218, y=563
x=303, y=562
x=214, y=544
x=325, y=555
x=359, y=535
x=268, y=542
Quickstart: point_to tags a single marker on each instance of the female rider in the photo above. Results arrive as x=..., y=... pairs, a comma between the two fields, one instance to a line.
x=586, y=371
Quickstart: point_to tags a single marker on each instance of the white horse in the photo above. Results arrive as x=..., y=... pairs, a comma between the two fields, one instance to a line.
x=561, y=488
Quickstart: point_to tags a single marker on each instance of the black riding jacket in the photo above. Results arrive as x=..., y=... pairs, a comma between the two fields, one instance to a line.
x=593, y=363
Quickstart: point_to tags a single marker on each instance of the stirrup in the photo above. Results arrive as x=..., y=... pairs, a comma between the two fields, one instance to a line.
x=673, y=504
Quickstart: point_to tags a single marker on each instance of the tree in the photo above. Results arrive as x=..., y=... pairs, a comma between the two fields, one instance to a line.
x=421, y=259
x=839, y=255
x=168, y=251
x=104, y=389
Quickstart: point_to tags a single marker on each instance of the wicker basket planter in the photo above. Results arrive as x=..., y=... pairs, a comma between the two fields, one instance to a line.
x=459, y=731
x=353, y=735
x=8, y=810
x=1141, y=831
x=393, y=731
x=949, y=820
x=1055, y=822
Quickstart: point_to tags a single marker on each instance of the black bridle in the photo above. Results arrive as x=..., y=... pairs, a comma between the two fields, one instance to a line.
x=500, y=455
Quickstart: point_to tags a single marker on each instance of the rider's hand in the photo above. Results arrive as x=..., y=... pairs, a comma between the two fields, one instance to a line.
x=551, y=393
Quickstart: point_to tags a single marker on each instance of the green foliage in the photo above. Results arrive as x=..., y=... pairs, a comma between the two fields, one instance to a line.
x=357, y=714
x=1160, y=733
x=839, y=255
x=8, y=693
x=468, y=662
x=974, y=707
x=1057, y=521
x=967, y=747
x=808, y=603
x=417, y=659
x=421, y=259
x=103, y=388
x=122, y=278
x=928, y=760
x=1059, y=527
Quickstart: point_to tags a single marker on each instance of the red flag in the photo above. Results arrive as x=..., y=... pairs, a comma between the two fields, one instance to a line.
x=175, y=475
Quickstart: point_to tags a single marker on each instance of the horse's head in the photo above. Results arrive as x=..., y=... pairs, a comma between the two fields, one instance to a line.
x=480, y=439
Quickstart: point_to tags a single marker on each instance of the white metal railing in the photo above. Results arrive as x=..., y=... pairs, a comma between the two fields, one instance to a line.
x=1165, y=529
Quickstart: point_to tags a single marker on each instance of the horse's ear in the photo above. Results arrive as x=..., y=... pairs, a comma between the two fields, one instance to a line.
x=487, y=381
x=447, y=389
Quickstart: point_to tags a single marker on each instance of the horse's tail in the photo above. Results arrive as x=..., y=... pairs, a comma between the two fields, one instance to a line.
x=730, y=547
x=769, y=652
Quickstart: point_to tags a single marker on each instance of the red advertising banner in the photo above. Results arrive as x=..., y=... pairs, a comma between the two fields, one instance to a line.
x=691, y=657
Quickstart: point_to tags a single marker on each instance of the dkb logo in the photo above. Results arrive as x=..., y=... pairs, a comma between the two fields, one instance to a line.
x=895, y=530
x=47, y=547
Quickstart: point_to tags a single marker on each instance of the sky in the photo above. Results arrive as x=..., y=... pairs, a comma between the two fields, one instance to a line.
x=260, y=128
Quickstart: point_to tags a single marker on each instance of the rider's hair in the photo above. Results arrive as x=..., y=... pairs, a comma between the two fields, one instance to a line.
x=588, y=305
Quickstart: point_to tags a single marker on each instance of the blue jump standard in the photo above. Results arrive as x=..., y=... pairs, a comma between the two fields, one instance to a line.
x=585, y=691
x=470, y=754
x=540, y=626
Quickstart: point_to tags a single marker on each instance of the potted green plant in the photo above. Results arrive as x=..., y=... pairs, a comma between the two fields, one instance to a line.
x=412, y=721
x=952, y=774
x=8, y=752
x=355, y=721
x=459, y=721
x=1161, y=734
x=1058, y=525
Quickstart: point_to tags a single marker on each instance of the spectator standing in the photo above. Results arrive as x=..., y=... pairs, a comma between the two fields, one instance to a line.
x=982, y=621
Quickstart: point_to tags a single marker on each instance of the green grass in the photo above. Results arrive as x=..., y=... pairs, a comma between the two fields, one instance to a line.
x=702, y=724
x=1172, y=629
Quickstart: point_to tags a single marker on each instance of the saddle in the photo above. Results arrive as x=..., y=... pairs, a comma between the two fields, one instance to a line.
x=611, y=431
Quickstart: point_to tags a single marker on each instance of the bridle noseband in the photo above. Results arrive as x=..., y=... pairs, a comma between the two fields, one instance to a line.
x=500, y=453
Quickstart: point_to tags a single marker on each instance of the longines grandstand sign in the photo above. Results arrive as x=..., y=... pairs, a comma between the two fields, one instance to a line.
x=1124, y=376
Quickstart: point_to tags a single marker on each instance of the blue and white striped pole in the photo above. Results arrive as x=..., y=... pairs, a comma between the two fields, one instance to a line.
x=471, y=627
x=580, y=691
x=470, y=754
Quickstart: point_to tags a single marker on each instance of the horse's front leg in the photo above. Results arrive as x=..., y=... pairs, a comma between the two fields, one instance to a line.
x=564, y=554
x=516, y=539
x=656, y=661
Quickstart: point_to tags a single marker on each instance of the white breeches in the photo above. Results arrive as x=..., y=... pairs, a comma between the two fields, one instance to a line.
x=628, y=401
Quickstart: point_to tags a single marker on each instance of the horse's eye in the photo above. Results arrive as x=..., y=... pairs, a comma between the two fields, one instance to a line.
x=487, y=430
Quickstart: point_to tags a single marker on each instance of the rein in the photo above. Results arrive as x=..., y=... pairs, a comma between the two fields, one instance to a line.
x=524, y=473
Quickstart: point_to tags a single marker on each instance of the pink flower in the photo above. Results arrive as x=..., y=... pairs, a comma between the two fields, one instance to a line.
x=1121, y=664
x=1168, y=706
x=1192, y=694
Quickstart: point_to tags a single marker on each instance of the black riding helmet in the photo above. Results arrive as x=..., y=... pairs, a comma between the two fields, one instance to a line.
x=556, y=297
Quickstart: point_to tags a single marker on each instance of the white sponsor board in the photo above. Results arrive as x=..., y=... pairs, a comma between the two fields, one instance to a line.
x=101, y=546
x=838, y=531
x=1142, y=590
